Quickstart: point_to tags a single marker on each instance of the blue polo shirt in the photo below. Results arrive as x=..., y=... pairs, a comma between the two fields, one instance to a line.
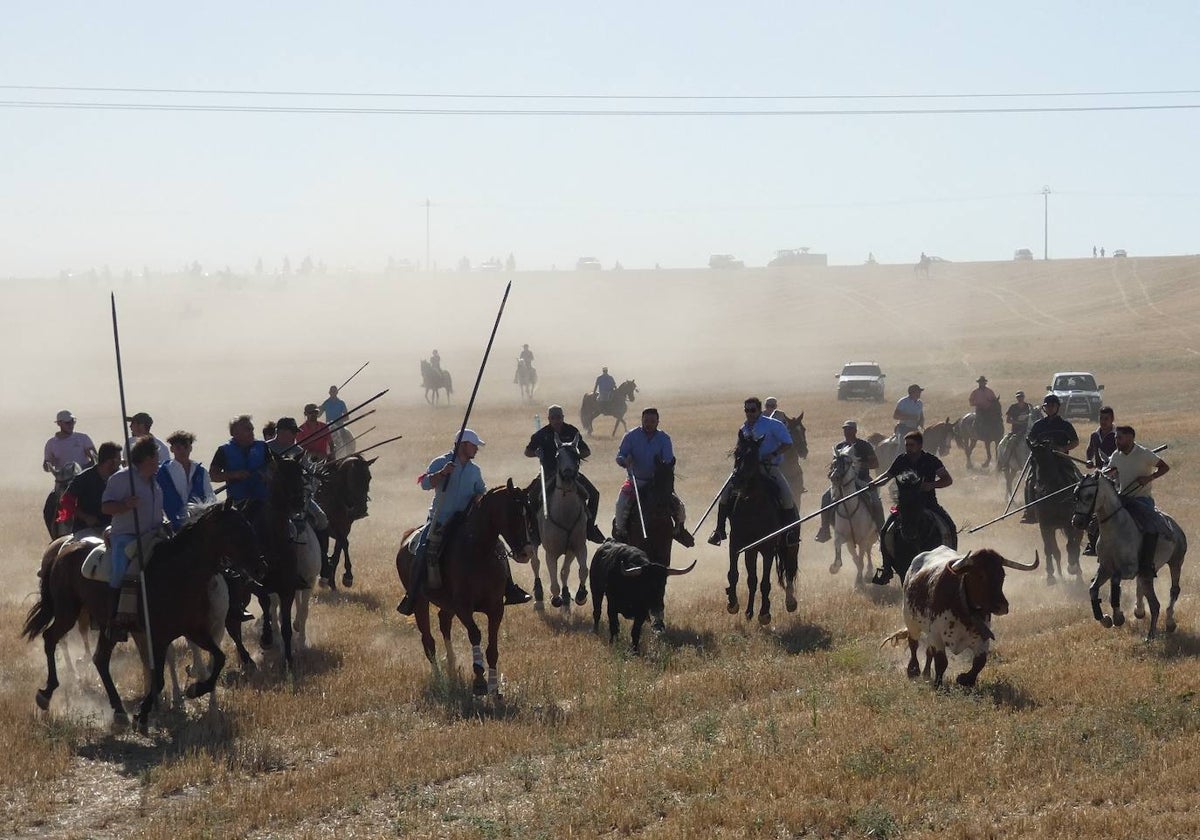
x=333, y=408
x=466, y=482
x=642, y=450
x=774, y=435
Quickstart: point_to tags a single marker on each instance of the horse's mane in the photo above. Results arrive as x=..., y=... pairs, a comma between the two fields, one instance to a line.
x=187, y=537
x=908, y=477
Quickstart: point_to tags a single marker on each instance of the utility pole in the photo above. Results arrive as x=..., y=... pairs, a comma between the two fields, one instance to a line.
x=428, y=267
x=1045, y=223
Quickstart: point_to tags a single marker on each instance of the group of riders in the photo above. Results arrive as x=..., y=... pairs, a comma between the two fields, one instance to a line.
x=137, y=502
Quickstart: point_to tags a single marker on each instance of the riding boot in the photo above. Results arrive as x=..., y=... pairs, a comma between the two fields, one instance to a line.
x=1093, y=530
x=592, y=503
x=116, y=631
x=791, y=516
x=514, y=594
x=408, y=604
x=883, y=575
x=683, y=536
x=1146, y=555
x=718, y=534
x=823, y=533
x=1029, y=517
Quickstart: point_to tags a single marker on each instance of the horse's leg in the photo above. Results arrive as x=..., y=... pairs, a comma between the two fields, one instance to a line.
x=732, y=577
x=348, y=575
x=1146, y=584
x=751, y=581
x=1118, y=617
x=142, y=718
x=536, y=564
x=764, y=614
x=494, y=617
x=266, y=603
x=102, y=659
x=207, y=643
x=233, y=626
x=914, y=665
x=1098, y=581
x=581, y=593
x=479, y=684
x=1074, y=539
x=619, y=421
x=445, y=620
x=421, y=614
x=285, y=626
x=838, y=540
x=1050, y=546
x=58, y=629
x=301, y=625
x=790, y=569
x=565, y=581
x=552, y=573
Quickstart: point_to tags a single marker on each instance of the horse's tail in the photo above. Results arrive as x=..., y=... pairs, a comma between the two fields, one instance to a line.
x=42, y=613
x=449, y=382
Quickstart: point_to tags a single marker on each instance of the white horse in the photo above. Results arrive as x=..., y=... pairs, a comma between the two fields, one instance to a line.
x=563, y=527
x=853, y=523
x=1118, y=547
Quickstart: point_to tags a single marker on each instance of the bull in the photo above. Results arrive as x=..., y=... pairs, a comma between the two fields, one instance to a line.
x=949, y=601
x=635, y=587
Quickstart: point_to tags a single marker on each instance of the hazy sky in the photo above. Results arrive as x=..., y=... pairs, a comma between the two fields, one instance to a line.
x=127, y=188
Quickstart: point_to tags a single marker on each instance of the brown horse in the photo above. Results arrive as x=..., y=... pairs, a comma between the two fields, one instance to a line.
x=474, y=573
x=176, y=580
x=615, y=406
x=343, y=495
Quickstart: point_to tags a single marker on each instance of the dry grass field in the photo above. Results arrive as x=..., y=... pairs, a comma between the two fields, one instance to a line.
x=721, y=728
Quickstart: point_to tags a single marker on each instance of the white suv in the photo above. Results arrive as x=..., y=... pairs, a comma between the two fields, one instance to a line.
x=1079, y=393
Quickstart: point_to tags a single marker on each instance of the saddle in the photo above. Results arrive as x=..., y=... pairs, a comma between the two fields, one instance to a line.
x=97, y=565
x=1150, y=521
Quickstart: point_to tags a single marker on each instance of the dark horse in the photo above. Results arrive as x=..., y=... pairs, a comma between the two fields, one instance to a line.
x=614, y=406
x=911, y=529
x=656, y=500
x=974, y=428
x=474, y=573
x=1055, y=472
x=273, y=521
x=177, y=584
x=344, y=493
x=434, y=380
x=754, y=513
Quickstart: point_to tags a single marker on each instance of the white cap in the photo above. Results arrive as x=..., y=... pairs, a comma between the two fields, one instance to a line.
x=64, y=416
x=469, y=436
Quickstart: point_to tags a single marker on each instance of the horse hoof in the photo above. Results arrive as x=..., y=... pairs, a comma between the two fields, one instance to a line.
x=192, y=691
x=749, y=613
x=834, y=568
x=1051, y=580
x=1073, y=569
x=120, y=720
x=732, y=607
x=479, y=687
x=1139, y=613
x=43, y=699
x=966, y=680
x=556, y=601
x=1170, y=625
x=1150, y=637
x=792, y=604
x=347, y=580
x=581, y=597
x=1106, y=621
x=1118, y=619
x=142, y=722
x=324, y=582
x=764, y=619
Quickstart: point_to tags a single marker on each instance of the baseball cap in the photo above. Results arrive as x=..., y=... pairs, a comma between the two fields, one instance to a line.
x=1051, y=398
x=64, y=416
x=850, y=424
x=469, y=436
x=311, y=408
x=288, y=423
x=1019, y=394
x=141, y=417
x=914, y=387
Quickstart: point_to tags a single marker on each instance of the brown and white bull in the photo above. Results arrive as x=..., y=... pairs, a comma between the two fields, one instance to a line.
x=949, y=601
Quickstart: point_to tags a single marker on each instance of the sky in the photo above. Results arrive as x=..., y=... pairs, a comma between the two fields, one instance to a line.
x=84, y=188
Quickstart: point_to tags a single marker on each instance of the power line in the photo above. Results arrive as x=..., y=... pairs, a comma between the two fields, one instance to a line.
x=577, y=112
x=605, y=96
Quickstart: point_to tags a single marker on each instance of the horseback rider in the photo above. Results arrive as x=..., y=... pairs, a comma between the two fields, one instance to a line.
x=314, y=440
x=135, y=516
x=771, y=409
x=67, y=446
x=241, y=463
x=139, y=427
x=543, y=444
x=776, y=440
x=333, y=408
x=183, y=480
x=1135, y=467
x=435, y=362
x=604, y=387
x=640, y=450
x=867, y=461
x=933, y=474
x=984, y=400
x=1101, y=445
x=81, y=503
x=457, y=483
x=525, y=357
x=1017, y=416
x=1053, y=431
x=909, y=412
x=284, y=442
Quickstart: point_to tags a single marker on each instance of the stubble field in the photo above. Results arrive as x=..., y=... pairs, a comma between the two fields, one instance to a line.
x=721, y=728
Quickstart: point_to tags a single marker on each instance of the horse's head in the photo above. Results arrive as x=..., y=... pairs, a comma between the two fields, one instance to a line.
x=1054, y=469
x=286, y=479
x=746, y=460
x=231, y=541
x=843, y=469
x=510, y=511
x=910, y=503
x=352, y=484
x=64, y=475
x=799, y=435
x=627, y=389
x=567, y=460
x=662, y=486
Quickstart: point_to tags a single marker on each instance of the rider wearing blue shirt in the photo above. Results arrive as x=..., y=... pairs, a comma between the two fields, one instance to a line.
x=333, y=407
x=604, y=387
x=775, y=441
x=640, y=451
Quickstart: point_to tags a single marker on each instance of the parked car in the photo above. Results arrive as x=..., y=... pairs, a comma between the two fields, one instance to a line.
x=492, y=264
x=1120, y=252
x=724, y=261
x=860, y=381
x=797, y=256
x=1023, y=254
x=1079, y=393
x=588, y=264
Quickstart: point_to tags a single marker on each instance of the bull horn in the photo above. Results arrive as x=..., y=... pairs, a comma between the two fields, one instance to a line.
x=671, y=571
x=373, y=460
x=1024, y=567
x=961, y=563
x=632, y=571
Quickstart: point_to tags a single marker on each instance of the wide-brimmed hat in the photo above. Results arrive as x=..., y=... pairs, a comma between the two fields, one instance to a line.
x=981, y=380
x=64, y=416
x=141, y=417
x=469, y=436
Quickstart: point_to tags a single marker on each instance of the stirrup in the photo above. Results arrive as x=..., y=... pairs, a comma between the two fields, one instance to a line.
x=718, y=536
x=406, y=606
x=514, y=594
x=684, y=538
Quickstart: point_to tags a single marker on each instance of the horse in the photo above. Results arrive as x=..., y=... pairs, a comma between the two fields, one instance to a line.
x=563, y=529
x=343, y=494
x=1012, y=453
x=526, y=377
x=176, y=580
x=912, y=528
x=592, y=407
x=791, y=467
x=63, y=476
x=657, y=506
x=937, y=437
x=275, y=521
x=1055, y=473
x=922, y=266
x=1118, y=548
x=474, y=574
x=754, y=513
x=434, y=380
x=853, y=523
x=973, y=428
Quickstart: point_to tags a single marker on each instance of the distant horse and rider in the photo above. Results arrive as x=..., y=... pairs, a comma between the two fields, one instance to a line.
x=435, y=380
x=526, y=377
x=614, y=404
